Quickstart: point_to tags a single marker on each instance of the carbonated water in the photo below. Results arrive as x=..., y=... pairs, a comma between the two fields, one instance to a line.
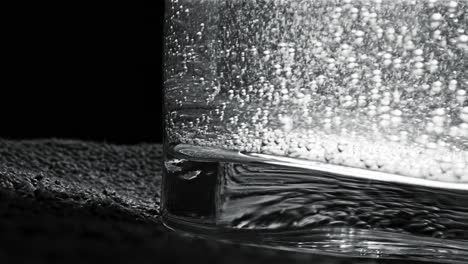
x=339, y=126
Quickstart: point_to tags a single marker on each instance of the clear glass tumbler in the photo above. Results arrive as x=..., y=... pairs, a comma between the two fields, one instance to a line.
x=332, y=126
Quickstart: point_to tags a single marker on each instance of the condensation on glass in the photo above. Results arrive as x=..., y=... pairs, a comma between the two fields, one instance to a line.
x=335, y=126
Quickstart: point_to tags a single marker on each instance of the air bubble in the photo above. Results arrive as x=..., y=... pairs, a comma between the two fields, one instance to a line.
x=436, y=17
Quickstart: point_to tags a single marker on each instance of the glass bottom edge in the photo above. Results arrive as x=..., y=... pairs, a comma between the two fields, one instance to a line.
x=334, y=242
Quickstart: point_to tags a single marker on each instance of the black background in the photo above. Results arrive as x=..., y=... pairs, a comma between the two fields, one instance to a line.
x=89, y=71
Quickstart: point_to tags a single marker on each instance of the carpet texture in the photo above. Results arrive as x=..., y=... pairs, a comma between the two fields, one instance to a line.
x=80, y=202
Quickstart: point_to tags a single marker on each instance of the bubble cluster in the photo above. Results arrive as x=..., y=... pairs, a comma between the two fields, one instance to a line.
x=380, y=85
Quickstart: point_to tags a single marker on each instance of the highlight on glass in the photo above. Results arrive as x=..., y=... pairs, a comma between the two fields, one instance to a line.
x=327, y=126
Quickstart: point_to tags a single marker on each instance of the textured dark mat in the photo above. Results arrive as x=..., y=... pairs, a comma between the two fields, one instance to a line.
x=68, y=201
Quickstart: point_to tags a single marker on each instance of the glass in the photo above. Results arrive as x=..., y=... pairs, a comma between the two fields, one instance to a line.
x=338, y=127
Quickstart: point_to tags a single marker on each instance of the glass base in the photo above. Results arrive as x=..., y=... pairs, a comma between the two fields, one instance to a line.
x=304, y=206
x=336, y=242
